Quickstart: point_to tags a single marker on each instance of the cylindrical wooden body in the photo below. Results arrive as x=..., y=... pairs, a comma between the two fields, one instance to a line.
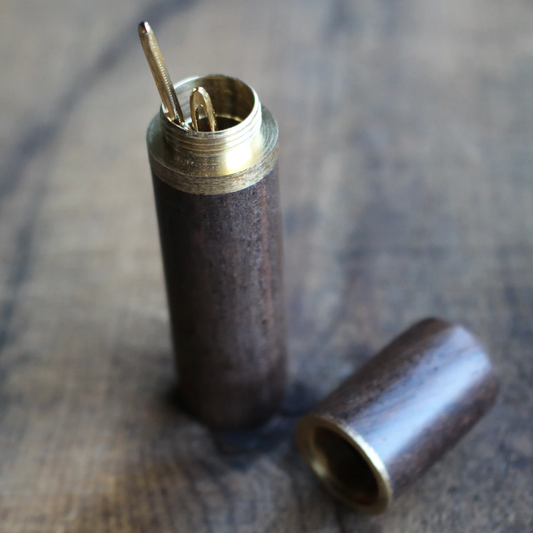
x=222, y=258
x=392, y=419
x=217, y=201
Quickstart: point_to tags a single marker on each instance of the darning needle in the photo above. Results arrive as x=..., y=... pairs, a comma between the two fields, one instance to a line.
x=160, y=74
x=200, y=99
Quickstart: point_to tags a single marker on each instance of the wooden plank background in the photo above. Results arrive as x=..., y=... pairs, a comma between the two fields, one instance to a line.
x=406, y=167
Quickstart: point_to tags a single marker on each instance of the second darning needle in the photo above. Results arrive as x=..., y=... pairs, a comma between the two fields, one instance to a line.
x=160, y=74
x=200, y=99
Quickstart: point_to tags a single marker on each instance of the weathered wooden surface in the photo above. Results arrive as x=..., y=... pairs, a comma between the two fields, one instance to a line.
x=406, y=185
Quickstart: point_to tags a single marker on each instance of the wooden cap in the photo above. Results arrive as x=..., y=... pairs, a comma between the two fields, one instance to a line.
x=394, y=417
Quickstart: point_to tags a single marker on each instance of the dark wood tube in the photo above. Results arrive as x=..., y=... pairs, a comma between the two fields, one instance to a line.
x=217, y=201
x=222, y=259
x=383, y=427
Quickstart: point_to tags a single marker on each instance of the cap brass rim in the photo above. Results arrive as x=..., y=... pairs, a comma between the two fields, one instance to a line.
x=347, y=466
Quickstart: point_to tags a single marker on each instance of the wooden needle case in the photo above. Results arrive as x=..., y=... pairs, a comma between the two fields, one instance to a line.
x=217, y=201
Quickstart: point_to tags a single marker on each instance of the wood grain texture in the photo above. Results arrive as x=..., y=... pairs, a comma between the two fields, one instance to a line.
x=223, y=267
x=410, y=404
x=405, y=165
